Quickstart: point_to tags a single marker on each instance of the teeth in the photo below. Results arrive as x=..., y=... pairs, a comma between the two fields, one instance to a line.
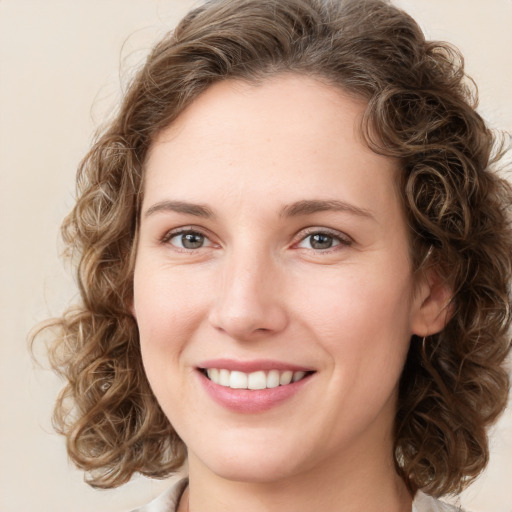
x=273, y=379
x=285, y=378
x=238, y=380
x=223, y=378
x=297, y=376
x=257, y=380
x=254, y=380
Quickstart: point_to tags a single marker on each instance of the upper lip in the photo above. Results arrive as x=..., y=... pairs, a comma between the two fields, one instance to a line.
x=252, y=366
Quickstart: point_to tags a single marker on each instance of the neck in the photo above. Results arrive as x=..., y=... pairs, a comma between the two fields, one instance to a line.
x=367, y=483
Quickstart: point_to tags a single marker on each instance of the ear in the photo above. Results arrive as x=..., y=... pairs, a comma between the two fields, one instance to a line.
x=432, y=307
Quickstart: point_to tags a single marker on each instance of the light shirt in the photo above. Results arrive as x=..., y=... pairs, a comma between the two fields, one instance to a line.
x=169, y=500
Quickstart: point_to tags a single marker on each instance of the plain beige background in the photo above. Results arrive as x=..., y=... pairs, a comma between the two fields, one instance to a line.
x=59, y=78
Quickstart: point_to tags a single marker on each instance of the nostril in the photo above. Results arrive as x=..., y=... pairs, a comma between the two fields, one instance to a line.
x=246, y=320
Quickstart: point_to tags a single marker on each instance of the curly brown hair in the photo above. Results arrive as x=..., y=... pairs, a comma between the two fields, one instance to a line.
x=421, y=110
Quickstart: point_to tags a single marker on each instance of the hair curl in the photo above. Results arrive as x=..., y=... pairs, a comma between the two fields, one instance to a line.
x=421, y=110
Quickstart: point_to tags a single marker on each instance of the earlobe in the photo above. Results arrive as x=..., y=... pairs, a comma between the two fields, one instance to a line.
x=433, y=304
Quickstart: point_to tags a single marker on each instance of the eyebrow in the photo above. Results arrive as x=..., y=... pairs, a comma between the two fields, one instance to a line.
x=310, y=206
x=196, y=210
x=303, y=207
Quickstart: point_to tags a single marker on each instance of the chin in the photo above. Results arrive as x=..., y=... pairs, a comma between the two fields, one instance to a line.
x=252, y=463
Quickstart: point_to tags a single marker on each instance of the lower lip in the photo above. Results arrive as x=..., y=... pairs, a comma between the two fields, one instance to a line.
x=251, y=401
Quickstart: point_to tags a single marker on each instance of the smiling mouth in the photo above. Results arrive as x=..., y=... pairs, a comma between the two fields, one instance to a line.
x=255, y=380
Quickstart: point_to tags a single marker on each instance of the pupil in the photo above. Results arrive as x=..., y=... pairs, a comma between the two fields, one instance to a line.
x=192, y=240
x=320, y=241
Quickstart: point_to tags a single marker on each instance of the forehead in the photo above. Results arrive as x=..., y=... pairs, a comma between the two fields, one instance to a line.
x=288, y=133
x=294, y=100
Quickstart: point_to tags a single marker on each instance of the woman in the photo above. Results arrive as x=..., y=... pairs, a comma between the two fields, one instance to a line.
x=294, y=260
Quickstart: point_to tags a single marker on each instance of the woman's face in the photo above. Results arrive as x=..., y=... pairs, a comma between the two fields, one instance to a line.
x=273, y=246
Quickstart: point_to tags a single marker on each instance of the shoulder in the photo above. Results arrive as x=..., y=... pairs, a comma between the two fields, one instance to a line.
x=166, y=502
x=424, y=503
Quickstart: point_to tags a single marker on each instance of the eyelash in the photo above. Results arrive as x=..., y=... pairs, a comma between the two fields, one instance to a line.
x=336, y=236
x=342, y=239
x=185, y=231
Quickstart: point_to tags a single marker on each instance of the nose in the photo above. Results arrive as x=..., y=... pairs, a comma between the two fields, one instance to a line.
x=251, y=301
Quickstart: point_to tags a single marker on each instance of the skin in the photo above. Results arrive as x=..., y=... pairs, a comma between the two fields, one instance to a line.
x=258, y=287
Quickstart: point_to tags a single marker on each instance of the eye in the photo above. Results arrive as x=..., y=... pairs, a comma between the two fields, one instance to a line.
x=188, y=240
x=322, y=240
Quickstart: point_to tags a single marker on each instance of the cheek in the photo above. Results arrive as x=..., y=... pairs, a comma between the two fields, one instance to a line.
x=358, y=299
x=166, y=318
x=362, y=321
x=166, y=302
